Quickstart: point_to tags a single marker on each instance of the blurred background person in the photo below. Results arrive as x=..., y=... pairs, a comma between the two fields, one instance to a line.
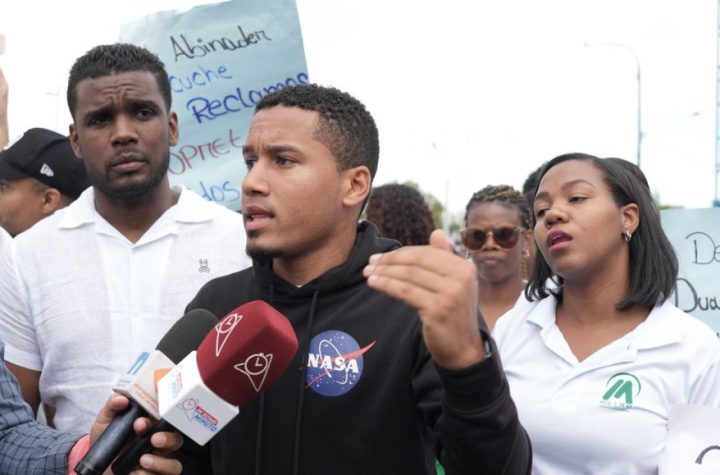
x=400, y=212
x=39, y=174
x=528, y=189
x=531, y=184
x=498, y=240
x=599, y=357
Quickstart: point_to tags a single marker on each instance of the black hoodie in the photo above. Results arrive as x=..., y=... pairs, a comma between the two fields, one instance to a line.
x=383, y=408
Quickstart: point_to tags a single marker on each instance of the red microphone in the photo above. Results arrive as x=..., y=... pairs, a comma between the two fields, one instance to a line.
x=244, y=354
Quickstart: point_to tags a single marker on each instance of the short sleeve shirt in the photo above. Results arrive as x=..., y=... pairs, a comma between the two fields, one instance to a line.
x=78, y=301
x=608, y=413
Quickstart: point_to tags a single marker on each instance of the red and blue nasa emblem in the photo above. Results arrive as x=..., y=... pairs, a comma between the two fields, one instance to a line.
x=335, y=363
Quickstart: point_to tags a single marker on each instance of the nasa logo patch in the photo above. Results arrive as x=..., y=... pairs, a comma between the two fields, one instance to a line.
x=335, y=363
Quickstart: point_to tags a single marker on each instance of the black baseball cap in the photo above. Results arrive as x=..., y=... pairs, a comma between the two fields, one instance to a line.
x=48, y=157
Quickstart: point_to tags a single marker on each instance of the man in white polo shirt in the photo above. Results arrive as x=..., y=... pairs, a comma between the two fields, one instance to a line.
x=86, y=290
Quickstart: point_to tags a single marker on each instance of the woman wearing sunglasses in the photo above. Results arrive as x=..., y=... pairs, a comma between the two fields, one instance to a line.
x=596, y=361
x=498, y=240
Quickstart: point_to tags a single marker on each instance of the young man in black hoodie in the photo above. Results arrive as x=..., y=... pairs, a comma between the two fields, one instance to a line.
x=393, y=370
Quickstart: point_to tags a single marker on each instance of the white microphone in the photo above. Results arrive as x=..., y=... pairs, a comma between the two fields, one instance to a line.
x=139, y=385
x=249, y=349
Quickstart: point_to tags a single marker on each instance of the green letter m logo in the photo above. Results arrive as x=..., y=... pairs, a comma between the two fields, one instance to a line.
x=622, y=387
x=619, y=389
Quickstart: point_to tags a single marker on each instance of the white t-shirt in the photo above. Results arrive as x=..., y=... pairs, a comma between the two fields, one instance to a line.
x=605, y=415
x=79, y=302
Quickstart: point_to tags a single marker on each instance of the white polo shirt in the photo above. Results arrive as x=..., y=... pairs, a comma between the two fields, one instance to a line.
x=607, y=414
x=79, y=302
x=5, y=239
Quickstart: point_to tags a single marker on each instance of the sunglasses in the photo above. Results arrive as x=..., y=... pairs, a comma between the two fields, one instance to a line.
x=473, y=239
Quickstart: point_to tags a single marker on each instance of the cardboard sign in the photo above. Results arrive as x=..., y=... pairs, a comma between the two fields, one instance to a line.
x=695, y=235
x=221, y=59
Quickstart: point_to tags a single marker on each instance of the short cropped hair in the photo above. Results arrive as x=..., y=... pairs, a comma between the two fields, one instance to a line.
x=505, y=195
x=345, y=126
x=653, y=264
x=400, y=212
x=117, y=58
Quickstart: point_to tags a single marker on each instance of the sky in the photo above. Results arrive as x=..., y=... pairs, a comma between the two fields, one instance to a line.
x=465, y=93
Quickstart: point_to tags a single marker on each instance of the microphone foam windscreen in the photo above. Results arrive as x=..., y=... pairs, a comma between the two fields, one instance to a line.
x=186, y=334
x=248, y=350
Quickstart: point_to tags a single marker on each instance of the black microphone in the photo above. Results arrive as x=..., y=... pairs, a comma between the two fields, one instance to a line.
x=139, y=385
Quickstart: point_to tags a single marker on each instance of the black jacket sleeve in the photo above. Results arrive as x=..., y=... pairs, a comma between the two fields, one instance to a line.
x=477, y=426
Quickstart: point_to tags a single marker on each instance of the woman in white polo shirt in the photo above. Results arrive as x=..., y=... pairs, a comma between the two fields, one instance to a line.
x=596, y=361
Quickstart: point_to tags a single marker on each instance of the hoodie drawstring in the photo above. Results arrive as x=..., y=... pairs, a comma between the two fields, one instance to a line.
x=261, y=413
x=258, y=434
x=304, y=351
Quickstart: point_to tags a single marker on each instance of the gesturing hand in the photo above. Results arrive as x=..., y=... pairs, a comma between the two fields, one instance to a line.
x=443, y=288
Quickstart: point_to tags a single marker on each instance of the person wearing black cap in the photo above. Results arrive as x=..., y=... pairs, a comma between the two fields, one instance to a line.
x=39, y=174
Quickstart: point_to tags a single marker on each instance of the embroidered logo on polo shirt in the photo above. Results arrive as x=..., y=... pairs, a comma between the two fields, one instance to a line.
x=621, y=389
x=204, y=267
x=224, y=329
x=335, y=363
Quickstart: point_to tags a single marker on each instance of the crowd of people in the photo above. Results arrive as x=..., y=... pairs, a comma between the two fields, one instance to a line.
x=524, y=354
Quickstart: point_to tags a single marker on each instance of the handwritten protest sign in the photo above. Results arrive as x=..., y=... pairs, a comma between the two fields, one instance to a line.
x=695, y=235
x=221, y=59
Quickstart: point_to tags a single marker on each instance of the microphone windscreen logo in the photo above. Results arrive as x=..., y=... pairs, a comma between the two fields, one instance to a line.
x=256, y=368
x=188, y=407
x=224, y=329
x=251, y=348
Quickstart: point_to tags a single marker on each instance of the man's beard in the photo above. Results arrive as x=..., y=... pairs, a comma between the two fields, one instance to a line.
x=260, y=254
x=134, y=191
